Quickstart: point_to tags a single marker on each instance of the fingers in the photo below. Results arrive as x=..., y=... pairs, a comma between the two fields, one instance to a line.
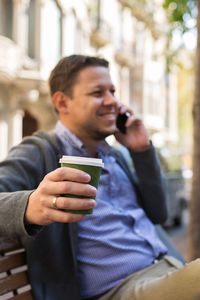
x=70, y=174
x=67, y=181
x=50, y=214
x=133, y=121
x=63, y=217
x=72, y=203
x=123, y=109
x=69, y=187
x=41, y=209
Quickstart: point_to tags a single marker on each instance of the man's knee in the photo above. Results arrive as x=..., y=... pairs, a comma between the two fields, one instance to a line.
x=193, y=266
x=189, y=273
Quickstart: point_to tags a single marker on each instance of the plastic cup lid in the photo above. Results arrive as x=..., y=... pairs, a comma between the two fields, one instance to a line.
x=97, y=162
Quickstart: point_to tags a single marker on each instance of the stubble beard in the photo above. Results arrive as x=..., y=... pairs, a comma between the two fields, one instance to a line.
x=100, y=135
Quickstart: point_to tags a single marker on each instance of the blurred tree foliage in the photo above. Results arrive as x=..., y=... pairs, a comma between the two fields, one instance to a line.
x=185, y=101
x=181, y=16
x=144, y=11
x=179, y=12
x=171, y=163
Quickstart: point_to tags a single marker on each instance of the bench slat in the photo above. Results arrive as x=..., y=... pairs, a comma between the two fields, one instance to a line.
x=12, y=256
x=13, y=282
x=10, y=262
x=7, y=244
x=24, y=296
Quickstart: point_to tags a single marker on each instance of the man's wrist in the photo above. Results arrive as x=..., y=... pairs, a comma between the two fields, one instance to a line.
x=143, y=148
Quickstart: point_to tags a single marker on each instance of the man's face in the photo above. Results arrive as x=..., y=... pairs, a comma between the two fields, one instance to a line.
x=93, y=108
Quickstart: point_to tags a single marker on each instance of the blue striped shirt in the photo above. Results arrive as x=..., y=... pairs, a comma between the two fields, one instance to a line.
x=118, y=238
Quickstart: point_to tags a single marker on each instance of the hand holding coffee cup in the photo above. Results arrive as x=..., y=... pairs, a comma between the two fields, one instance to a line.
x=91, y=166
x=40, y=209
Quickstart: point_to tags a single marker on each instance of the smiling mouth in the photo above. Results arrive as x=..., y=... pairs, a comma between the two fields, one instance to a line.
x=109, y=116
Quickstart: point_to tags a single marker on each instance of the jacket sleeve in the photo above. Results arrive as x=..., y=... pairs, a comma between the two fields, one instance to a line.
x=20, y=174
x=151, y=185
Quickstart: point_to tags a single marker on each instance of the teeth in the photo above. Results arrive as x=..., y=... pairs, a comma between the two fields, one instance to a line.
x=109, y=115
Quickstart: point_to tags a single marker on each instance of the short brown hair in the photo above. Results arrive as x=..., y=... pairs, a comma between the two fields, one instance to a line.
x=64, y=75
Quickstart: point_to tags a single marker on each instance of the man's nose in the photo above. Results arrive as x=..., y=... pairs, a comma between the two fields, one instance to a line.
x=109, y=99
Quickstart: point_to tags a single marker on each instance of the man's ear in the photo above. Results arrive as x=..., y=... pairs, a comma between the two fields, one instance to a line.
x=61, y=102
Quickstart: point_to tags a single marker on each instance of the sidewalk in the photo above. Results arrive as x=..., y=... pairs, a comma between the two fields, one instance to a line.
x=178, y=236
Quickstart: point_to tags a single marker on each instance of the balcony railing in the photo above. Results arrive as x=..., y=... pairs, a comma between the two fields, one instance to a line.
x=10, y=58
x=125, y=55
x=101, y=33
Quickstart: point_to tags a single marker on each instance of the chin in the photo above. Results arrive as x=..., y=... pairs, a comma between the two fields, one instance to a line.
x=102, y=134
x=111, y=129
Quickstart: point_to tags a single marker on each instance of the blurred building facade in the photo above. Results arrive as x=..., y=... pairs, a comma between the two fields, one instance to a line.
x=35, y=34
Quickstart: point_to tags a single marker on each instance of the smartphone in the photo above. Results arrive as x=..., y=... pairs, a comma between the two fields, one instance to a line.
x=121, y=121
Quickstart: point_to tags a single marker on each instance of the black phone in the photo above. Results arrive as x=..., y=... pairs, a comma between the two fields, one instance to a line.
x=121, y=121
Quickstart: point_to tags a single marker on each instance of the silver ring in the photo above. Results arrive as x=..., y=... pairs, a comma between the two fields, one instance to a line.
x=54, y=203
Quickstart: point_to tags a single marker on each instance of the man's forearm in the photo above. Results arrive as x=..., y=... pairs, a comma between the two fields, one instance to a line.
x=12, y=210
x=152, y=184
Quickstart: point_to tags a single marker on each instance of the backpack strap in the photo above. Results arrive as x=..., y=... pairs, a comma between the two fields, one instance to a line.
x=52, y=139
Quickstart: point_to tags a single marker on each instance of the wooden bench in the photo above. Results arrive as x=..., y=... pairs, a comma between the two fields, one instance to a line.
x=14, y=283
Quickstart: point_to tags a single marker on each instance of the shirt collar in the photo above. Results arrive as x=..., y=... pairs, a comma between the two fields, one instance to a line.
x=69, y=138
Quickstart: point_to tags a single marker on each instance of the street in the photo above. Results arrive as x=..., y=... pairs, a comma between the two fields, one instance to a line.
x=178, y=235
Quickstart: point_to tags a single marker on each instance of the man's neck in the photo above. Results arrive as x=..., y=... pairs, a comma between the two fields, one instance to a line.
x=90, y=143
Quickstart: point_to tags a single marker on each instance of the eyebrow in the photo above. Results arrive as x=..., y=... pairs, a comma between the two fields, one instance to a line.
x=100, y=86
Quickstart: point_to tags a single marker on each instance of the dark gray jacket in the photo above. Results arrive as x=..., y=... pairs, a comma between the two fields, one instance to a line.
x=51, y=250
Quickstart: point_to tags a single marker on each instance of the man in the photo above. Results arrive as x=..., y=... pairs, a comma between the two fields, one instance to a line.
x=114, y=253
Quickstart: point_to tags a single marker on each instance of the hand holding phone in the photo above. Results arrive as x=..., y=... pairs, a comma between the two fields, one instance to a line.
x=121, y=121
x=137, y=138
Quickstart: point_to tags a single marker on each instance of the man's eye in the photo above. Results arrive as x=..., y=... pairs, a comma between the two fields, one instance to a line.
x=97, y=93
x=112, y=91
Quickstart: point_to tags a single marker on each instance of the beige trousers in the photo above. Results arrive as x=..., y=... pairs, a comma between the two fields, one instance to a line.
x=167, y=279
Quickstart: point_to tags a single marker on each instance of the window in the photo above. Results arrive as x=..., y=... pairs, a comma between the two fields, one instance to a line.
x=30, y=124
x=32, y=28
x=70, y=31
x=95, y=13
x=51, y=32
x=6, y=18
